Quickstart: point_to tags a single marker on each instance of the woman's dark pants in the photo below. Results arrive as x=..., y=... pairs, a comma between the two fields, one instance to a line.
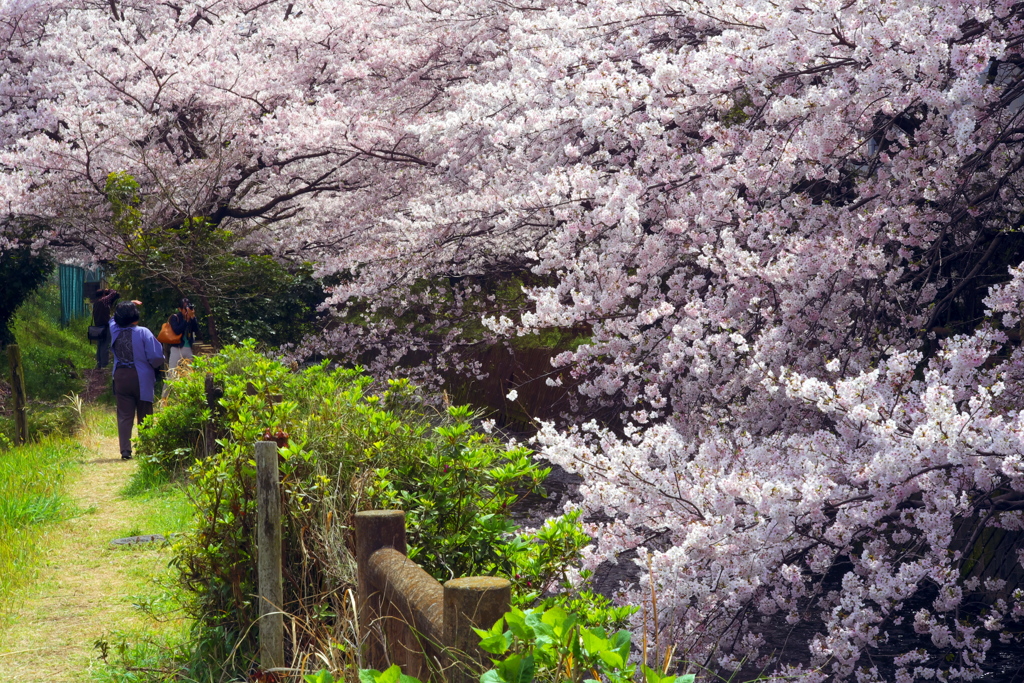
x=129, y=406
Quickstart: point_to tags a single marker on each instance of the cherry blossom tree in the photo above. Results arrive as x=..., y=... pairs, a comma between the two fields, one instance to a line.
x=766, y=216
x=260, y=120
x=788, y=231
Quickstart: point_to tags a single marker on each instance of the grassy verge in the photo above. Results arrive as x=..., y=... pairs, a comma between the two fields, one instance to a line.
x=32, y=495
x=57, y=361
x=76, y=606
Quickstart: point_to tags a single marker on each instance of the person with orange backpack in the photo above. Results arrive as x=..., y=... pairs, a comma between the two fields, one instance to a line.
x=179, y=332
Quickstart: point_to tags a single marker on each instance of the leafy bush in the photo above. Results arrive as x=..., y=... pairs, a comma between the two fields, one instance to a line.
x=350, y=450
x=172, y=440
x=549, y=646
x=280, y=302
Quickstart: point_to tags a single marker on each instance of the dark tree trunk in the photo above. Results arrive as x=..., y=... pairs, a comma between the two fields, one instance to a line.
x=211, y=325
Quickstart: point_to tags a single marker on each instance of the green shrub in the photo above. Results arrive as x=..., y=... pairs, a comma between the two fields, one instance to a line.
x=350, y=450
x=555, y=646
x=546, y=646
x=172, y=440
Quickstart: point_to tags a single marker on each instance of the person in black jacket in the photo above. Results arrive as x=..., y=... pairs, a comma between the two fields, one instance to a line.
x=102, y=304
x=184, y=323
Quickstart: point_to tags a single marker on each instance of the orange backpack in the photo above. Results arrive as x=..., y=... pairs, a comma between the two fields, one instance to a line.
x=167, y=335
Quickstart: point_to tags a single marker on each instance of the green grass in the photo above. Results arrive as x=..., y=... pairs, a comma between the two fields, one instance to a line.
x=148, y=481
x=31, y=496
x=153, y=642
x=101, y=420
x=141, y=657
x=167, y=511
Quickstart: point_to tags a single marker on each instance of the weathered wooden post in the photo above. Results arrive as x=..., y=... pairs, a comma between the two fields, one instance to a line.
x=476, y=601
x=18, y=390
x=213, y=396
x=268, y=540
x=375, y=529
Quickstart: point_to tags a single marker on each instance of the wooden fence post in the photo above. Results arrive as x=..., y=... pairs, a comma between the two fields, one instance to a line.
x=476, y=601
x=375, y=529
x=268, y=547
x=213, y=396
x=18, y=390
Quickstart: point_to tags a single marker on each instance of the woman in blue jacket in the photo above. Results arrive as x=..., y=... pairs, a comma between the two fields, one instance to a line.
x=137, y=356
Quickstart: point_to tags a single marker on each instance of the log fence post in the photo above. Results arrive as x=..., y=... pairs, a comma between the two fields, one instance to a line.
x=375, y=529
x=441, y=619
x=268, y=547
x=475, y=601
x=213, y=395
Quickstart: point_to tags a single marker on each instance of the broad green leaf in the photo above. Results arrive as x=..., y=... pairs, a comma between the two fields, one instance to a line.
x=556, y=617
x=516, y=621
x=611, y=657
x=390, y=675
x=621, y=643
x=650, y=675
x=491, y=676
x=594, y=643
x=497, y=644
x=324, y=676
x=517, y=669
x=560, y=622
x=368, y=675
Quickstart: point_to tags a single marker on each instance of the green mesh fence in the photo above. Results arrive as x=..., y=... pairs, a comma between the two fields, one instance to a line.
x=72, y=295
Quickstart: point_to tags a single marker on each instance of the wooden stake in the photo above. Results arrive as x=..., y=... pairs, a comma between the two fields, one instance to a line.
x=268, y=540
x=20, y=396
x=475, y=601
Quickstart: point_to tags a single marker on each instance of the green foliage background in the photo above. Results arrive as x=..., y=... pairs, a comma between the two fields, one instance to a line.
x=55, y=359
x=238, y=294
x=268, y=301
x=21, y=271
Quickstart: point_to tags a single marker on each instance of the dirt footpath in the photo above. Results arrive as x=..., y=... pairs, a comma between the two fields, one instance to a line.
x=85, y=586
